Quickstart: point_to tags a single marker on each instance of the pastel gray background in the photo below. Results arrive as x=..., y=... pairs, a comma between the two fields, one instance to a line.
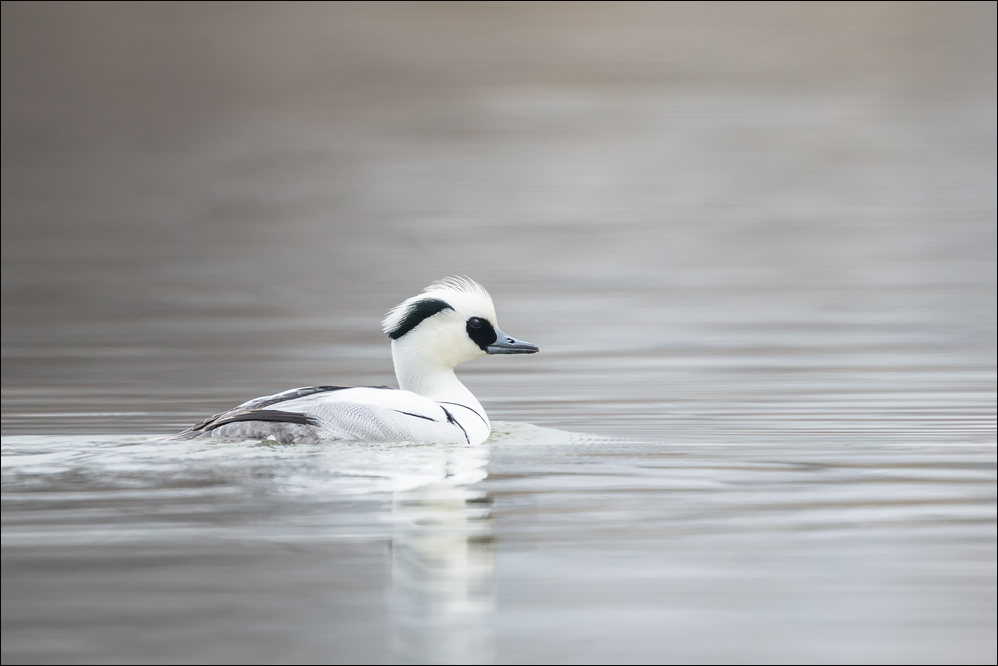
x=757, y=241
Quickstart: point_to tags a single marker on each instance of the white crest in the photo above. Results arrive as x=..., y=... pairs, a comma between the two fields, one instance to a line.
x=461, y=293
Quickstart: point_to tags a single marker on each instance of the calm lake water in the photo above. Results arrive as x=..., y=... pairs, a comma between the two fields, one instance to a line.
x=756, y=246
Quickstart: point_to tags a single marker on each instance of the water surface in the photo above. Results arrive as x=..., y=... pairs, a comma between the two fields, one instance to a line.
x=756, y=247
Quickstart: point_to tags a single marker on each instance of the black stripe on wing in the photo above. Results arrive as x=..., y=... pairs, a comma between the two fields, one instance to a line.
x=269, y=415
x=418, y=416
x=238, y=416
x=269, y=400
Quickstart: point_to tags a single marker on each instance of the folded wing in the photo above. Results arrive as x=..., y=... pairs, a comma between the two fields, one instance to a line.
x=319, y=413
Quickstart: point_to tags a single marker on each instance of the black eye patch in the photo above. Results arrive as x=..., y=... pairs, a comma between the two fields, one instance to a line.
x=481, y=332
x=416, y=313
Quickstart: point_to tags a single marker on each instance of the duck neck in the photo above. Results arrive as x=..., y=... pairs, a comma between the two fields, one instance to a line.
x=431, y=378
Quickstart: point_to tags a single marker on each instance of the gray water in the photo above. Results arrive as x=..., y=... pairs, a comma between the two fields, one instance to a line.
x=755, y=244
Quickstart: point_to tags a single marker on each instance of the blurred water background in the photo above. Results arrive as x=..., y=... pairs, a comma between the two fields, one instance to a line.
x=755, y=244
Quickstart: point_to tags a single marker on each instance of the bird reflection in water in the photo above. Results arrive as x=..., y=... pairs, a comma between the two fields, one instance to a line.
x=443, y=563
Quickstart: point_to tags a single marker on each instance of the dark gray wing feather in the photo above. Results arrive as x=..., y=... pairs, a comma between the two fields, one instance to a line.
x=294, y=394
x=270, y=415
x=256, y=410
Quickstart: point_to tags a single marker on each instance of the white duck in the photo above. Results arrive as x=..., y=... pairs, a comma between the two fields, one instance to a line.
x=451, y=322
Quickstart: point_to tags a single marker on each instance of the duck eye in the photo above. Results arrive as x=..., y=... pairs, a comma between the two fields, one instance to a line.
x=475, y=322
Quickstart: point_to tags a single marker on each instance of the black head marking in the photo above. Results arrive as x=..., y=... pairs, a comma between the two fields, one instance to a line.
x=416, y=313
x=481, y=332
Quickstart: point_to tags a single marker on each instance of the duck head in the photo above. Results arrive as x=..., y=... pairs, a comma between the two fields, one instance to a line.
x=451, y=322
